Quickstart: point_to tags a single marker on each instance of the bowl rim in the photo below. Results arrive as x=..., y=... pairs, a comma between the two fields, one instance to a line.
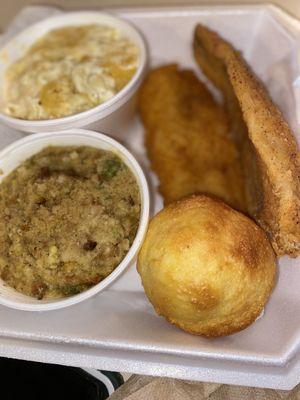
x=123, y=94
x=135, y=168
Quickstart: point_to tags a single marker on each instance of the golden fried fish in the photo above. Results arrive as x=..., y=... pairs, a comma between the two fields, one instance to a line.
x=187, y=138
x=269, y=153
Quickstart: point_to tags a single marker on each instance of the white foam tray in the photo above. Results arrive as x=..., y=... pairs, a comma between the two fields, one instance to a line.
x=118, y=330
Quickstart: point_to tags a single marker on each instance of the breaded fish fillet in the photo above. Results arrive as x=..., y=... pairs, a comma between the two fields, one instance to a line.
x=187, y=138
x=271, y=160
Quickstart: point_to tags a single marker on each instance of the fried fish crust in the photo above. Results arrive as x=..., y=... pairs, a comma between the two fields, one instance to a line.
x=269, y=153
x=187, y=138
x=205, y=267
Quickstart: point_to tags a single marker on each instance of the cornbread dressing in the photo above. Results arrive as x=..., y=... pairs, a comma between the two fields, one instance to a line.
x=68, y=216
x=69, y=70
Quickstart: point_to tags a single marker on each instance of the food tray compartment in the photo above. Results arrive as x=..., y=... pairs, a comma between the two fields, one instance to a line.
x=119, y=329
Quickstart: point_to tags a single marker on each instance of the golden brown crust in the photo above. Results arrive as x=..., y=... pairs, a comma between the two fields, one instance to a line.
x=268, y=148
x=187, y=138
x=205, y=267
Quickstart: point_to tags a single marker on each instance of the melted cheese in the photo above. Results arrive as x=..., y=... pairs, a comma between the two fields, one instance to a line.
x=69, y=70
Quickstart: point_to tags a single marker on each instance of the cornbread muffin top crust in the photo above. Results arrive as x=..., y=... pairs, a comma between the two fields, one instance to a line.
x=205, y=267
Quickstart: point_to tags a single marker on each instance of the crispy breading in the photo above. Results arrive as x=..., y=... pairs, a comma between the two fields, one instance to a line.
x=205, y=267
x=187, y=138
x=271, y=160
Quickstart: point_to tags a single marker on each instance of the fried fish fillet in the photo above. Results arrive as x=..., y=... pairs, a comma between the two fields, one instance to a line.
x=269, y=153
x=187, y=138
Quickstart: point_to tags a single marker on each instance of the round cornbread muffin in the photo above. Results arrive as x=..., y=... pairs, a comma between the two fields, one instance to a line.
x=205, y=267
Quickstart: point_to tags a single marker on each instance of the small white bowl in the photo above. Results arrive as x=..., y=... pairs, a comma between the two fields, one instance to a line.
x=14, y=154
x=109, y=117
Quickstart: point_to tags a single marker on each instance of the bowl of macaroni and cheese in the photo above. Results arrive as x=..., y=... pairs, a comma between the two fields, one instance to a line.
x=73, y=70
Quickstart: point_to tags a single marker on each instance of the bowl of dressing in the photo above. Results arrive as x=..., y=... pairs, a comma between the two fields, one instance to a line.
x=74, y=209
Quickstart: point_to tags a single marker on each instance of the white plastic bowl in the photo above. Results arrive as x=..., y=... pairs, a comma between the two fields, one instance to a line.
x=22, y=149
x=109, y=117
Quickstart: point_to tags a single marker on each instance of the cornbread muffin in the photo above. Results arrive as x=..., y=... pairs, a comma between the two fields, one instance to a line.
x=68, y=216
x=69, y=70
x=205, y=267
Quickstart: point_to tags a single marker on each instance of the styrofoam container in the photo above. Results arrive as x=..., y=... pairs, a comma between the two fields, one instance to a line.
x=119, y=330
x=22, y=149
x=111, y=116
